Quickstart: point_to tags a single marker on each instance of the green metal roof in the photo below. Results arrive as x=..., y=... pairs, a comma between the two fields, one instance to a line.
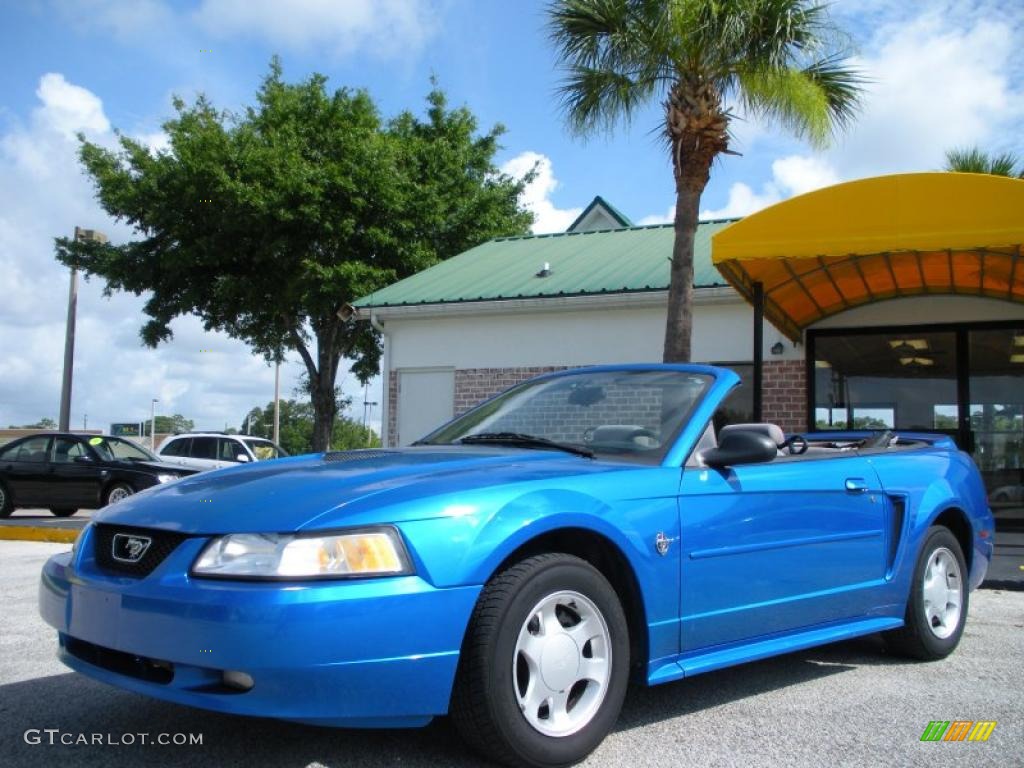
x=581, y=263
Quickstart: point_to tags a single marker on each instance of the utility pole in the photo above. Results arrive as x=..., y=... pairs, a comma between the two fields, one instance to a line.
x=81, y=235
x=367, y=408
x=152, y=424
x=277, y=403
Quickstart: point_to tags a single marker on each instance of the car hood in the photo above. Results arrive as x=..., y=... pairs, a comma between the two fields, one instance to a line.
x=324, y=490
x=157, y=466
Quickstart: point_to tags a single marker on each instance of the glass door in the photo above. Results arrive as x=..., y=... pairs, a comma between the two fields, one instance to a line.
x=996, y=387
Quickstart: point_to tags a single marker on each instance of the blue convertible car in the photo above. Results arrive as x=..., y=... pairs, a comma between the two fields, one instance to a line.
x=516, y=566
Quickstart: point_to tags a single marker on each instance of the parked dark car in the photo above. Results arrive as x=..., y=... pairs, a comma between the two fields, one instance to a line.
x=66, y=472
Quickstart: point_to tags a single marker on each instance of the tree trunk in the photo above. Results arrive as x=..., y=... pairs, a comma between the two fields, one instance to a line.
x=679, y=322
x=322, y=374
x=325, y=409
x=698, y=130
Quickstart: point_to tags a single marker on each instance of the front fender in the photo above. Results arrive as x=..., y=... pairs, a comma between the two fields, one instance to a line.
x=467, y=545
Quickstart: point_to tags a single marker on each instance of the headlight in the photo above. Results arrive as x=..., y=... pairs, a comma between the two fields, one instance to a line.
x=371, y=552
x=166, y=478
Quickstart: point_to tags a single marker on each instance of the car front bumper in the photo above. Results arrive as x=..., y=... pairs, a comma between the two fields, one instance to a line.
x=363, y=653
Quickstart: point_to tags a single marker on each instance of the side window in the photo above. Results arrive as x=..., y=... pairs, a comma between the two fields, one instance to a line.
x=33, y=450
x=738, y=407
x=66, y=450
x=175, y=447
x=229, y=450
x=204, y=448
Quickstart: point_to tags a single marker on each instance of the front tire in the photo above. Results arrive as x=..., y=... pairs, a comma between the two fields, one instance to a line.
x=937, y=606
x=545, y=664
x=117, y=492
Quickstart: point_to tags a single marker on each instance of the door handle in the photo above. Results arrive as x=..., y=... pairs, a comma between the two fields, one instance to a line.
x=856, y=485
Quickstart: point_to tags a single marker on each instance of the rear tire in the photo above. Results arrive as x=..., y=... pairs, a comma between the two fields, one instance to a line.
x=6, y=505
x=938, y=601
x=544, y=666
x=63, y=512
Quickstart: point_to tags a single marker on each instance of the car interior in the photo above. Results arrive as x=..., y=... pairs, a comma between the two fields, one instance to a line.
x=799, y=446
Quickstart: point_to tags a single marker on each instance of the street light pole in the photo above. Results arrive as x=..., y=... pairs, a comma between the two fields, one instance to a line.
x=81, y=235
x=152, y=424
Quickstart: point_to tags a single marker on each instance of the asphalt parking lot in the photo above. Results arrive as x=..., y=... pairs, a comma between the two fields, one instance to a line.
x=842, y=705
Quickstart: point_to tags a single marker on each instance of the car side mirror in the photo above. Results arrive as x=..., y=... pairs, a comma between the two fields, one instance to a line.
x=241, y=457
x=83, y=459
x=741, y=448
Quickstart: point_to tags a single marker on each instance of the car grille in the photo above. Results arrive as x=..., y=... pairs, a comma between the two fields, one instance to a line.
x=162, y=543
x=335, y=456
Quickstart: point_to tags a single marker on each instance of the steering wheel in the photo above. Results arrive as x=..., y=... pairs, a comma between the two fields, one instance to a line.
x=796, y=445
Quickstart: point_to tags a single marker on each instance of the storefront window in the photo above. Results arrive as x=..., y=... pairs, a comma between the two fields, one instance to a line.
x=914, y=380
x=997, y=412
x=887, y=380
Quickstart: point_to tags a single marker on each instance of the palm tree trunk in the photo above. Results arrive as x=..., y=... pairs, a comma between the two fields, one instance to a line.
x=679, y=322
x=698, y=130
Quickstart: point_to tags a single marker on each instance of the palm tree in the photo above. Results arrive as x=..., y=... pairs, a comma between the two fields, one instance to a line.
x=776, y=59
x=976, y=160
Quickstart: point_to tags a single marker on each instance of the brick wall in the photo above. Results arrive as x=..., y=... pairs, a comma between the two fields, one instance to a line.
x=474, y=385
x=785, y=391
x=784, y=387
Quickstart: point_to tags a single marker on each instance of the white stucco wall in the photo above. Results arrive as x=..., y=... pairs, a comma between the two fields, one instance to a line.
x=723, y=332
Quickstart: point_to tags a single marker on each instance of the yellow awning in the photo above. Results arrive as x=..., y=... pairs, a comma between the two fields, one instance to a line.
x=879, y=238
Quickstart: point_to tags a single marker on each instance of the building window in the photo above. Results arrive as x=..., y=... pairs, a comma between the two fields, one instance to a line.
x=966, y=381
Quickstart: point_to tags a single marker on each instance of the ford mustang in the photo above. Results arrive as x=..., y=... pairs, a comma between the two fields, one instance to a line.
x=517, y=566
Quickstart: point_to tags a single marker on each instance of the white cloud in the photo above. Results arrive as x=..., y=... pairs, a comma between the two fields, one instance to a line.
x=70, y=108
x=537, y=195
x=44, y=194
x=656, y=218
x=940, y=74
x=378, y=27
x=791, y=175
x=935, y=83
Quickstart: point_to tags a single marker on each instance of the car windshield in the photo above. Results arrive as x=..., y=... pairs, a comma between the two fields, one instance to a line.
x=632, y=414
x=118, y=449
x=264, y=449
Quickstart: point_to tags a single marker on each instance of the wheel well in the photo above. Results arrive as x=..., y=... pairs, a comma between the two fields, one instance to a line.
x=955, y=520
x=609, y=560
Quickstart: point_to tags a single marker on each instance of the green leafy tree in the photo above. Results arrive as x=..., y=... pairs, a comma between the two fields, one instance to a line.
x=777, y=59
x=269, y=223
x=169, y=425
x=976, y=160
x=44, y=423
x=296, y=428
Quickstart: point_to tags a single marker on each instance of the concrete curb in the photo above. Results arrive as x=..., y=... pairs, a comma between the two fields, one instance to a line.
x=38, y=533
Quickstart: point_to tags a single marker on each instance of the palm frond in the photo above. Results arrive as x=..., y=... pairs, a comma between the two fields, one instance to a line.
x=595, y=99
x=976, y=160
x=811, y=102
x=610, y=50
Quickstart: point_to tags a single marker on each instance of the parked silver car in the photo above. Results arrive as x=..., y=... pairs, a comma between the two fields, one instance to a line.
x=212, y=450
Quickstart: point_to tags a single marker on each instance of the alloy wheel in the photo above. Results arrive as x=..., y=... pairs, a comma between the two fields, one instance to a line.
x=562, y=664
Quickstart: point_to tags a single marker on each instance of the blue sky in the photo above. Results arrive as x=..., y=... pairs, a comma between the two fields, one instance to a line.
x=944, y=73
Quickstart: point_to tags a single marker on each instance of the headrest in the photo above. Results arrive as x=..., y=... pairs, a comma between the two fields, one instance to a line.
x=773, y=431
